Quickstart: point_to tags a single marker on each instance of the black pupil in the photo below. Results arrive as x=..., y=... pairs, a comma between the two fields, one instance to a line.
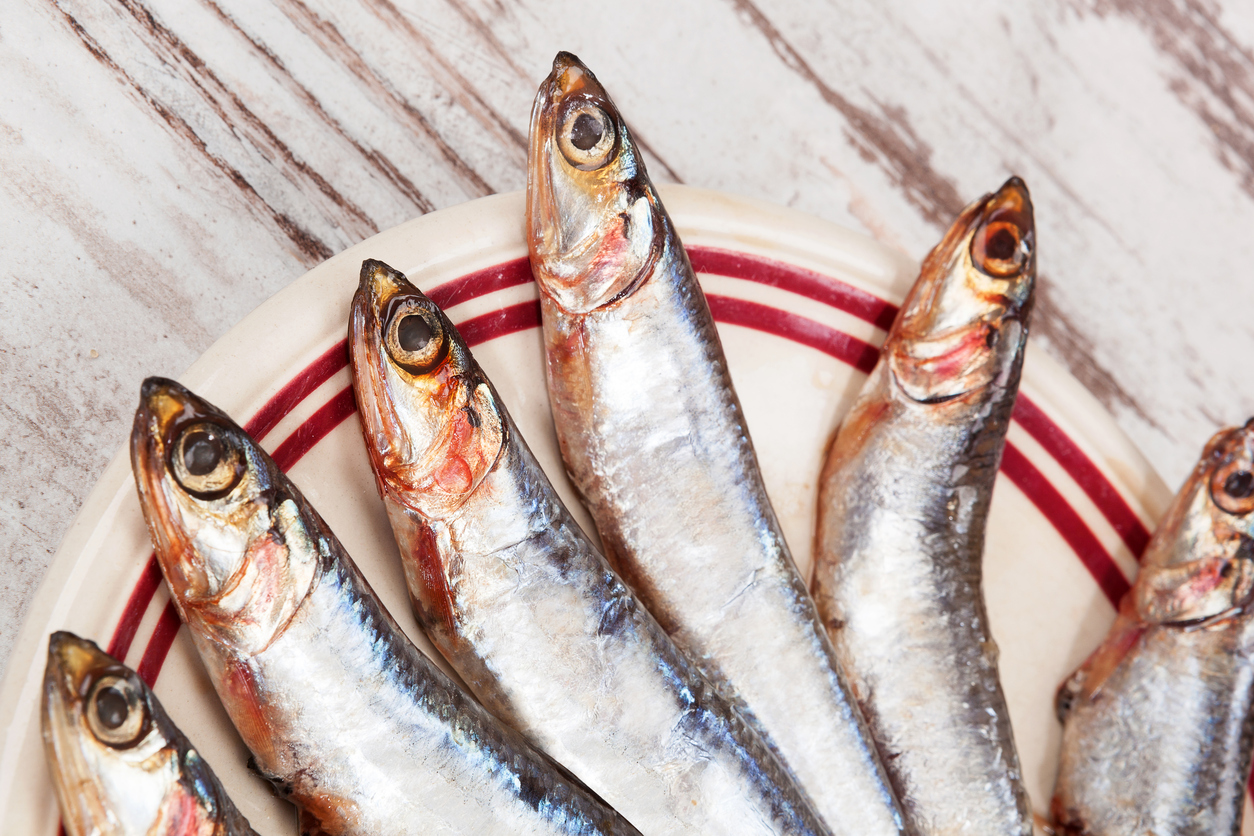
x=1239, y=485
x=111, y=708
x=202, y=451
x=413, y=333
x=1001, y=245
x=586, y=132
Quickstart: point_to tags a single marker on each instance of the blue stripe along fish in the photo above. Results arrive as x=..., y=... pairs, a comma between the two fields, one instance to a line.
x=522, y=604
x=655, y=439
x=1158, y=723
x=903, y=502
x=341, y=711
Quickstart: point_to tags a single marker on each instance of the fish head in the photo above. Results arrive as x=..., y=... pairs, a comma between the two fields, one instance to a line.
x=1198, y=568
x=963, y=325
x=433, y=424
x=232, y=537
x=115, y=757
x=595, y=226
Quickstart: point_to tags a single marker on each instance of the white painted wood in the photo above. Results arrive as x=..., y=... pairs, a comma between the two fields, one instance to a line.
x=168, y=164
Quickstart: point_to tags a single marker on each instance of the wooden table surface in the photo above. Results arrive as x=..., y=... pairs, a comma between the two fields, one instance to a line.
x=166, y=165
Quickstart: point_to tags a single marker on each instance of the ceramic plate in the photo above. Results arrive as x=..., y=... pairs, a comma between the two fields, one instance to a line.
x=801, y=306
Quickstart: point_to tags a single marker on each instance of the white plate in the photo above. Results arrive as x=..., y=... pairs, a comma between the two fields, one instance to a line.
x=799, y=302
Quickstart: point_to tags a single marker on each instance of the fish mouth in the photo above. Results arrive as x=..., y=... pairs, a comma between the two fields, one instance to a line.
x=433, y=426
x=65, y=678
x=166, y=407
x=178, y=515
x=965, y=319
x=595, y=227
x=71, y=663
x=1197, y=593
x=163, y=404
x=74, y=664
x=377, y=285
x=1198, y=568
x=398, y=400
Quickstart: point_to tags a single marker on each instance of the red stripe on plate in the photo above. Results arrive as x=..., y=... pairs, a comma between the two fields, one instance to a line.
x=159, y=645
x=141, y=596
x=795, y=279
x=481, y=283
x=297, y=389
x=329, y=416
x=1080, y=468
x=848, y=349
x=851, y=350
x=489, y=326
x=1067, y=522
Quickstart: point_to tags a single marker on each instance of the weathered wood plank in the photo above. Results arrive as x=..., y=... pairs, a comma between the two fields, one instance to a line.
x=170, y=163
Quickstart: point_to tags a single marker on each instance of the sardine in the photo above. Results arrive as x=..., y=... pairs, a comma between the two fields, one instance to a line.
x=522, y=604
x=119, y=765
x=1157, y=723
x=655, y=440
x=903, y=501
x=343, y=714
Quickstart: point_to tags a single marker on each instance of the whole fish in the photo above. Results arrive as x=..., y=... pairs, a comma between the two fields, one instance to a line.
x=341, y=712
x=903, y=501
x=119, y=765
x=654, y=438
x=1158, y=723
x=522, y=604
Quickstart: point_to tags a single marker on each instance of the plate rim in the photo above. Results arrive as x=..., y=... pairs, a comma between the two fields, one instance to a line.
x=707, y=214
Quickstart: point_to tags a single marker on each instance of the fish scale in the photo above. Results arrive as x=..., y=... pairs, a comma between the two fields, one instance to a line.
x=341, y=711
x=654, y=438
x=1158, y=723
x=523, y=605
x=903, y=502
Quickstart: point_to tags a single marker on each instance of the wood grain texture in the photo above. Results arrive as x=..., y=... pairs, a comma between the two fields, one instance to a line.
x=168, y=164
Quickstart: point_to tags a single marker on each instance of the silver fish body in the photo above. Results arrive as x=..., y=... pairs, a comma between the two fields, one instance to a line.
x=523, y=605
x=119, y=765
x=342, y=713
x=903, y=502
x=654, y=438
x=1158, y=724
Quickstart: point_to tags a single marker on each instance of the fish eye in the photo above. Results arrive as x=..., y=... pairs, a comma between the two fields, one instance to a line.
x=414, y=337
x=116, y=712
x=1240, y=484
x=206, y=461
x=1000, y=249
x=586, y=136
x=1232, y=485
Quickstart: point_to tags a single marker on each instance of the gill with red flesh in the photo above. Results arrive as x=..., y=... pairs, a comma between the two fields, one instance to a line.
x=454, y=458
x=182, y=814
x=596, y=233
x=1199, y=564
x=148, y=457
x=226, y=556
x=435, y=434
x=1176, y=587
x=256, y=599
x=426, y=570
x=1192, y=592
x=965, y=315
